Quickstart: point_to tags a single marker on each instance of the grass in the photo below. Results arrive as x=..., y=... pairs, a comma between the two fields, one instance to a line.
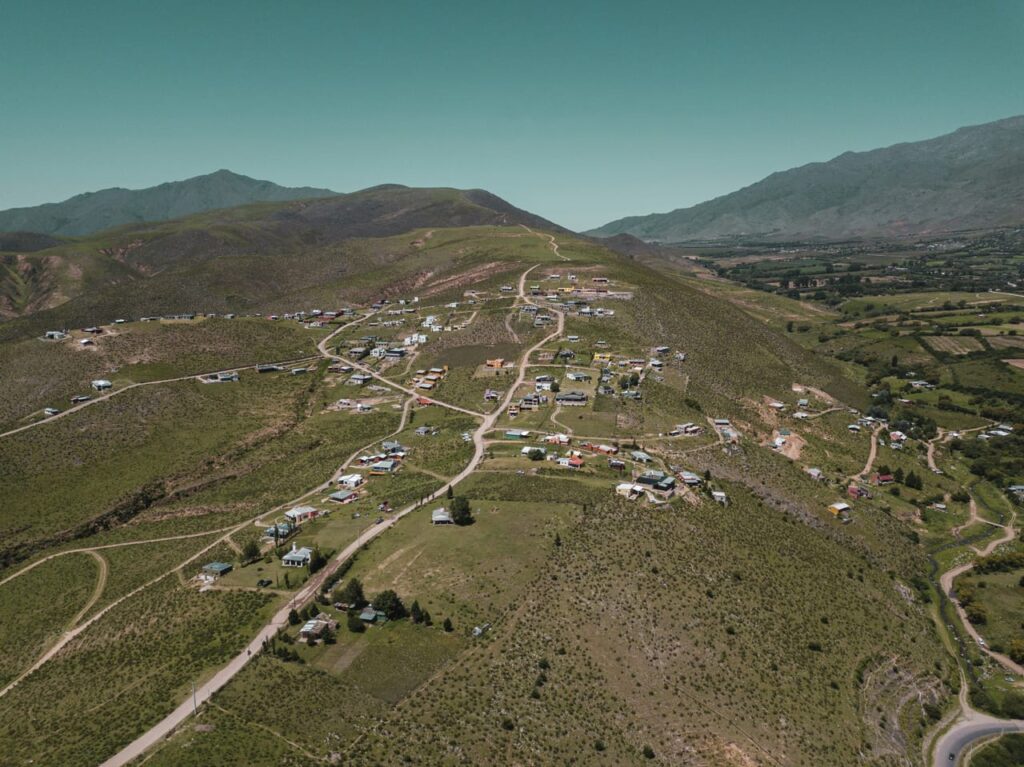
x=39, y=606
x=144, y=436
x=1000, y=595
x=125, y=672
x=38, y=374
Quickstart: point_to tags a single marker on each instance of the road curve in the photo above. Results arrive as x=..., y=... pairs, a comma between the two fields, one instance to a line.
x=206, y=690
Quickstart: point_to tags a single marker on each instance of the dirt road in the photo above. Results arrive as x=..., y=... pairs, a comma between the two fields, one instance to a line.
x=114, y=392
x=203, y=693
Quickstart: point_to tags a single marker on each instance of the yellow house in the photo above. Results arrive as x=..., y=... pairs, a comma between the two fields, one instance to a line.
x=602, y=357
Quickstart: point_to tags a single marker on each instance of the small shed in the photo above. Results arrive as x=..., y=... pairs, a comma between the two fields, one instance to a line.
x=217, y=569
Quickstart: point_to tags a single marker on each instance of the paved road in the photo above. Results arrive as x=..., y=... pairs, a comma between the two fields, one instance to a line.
x=206, y=690
x=970, y=727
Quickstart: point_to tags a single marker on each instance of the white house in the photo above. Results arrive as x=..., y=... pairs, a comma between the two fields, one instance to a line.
x=629, y=490
x=100, y=384
x=720, y=497
x=351, y=481
x=297, y=557
x=440, y=517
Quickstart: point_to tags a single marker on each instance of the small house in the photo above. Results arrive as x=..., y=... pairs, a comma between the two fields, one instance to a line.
x=720, y=497
x=297, y=557
x=343, y=496
x=572, y=398
x=441, y=517
x=629, y=490
x=101, y=384
x=301, y=514
x=351, y=481
x=640, y=456
x=387, y=466
x=839, y=508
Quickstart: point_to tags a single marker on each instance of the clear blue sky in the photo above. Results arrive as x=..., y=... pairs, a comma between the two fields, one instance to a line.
x=579, y=111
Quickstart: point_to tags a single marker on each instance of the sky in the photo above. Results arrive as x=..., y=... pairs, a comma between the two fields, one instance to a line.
x=582, y=112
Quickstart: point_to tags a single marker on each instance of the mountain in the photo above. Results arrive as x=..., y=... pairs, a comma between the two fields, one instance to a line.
x=972, y=178
x=95, y=211
x=238, y=259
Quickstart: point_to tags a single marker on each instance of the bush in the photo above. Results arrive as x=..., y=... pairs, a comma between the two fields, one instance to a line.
x=355, y=625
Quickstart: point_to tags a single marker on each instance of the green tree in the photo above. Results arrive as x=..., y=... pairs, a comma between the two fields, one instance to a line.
x=352, y=594
x=355, y=625
x=293, y=618
x=251, y=550
x=389, y=603
x=447, y=625
x=415, y=612
x=461, y=514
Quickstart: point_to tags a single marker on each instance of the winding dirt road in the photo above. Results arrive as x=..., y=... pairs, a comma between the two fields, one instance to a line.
x=204, y=692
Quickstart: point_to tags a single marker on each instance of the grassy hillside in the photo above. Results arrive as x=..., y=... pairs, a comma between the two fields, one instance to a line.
x=242, y=259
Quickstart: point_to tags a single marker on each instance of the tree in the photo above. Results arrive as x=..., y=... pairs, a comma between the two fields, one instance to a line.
x=789, y=326
x=461, y=514
x=293, y=618
x=555, y=387
x=558, y=540
x=355, y=625
x=536, y=454
x=447, y=625
x=352, y=594
x=416, y=613
x=914, y=481
x=450, y=493
x=251, y=550
x=316, y=560
x=1016, y=650
x=389, y=603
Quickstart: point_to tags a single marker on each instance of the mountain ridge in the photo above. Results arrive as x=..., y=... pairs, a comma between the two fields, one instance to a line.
x=91, y=212
x=972, y=178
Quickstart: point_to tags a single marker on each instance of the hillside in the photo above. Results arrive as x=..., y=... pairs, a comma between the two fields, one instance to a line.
x=238, y=259
x=95, y=211
x=972, y=178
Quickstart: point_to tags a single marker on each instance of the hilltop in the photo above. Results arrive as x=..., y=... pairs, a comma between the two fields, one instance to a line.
x=235, y=259
x=95, y=211
x=972, y=178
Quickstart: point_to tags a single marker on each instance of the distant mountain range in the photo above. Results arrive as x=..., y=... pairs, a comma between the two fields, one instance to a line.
x=972, y=178
x=95, y=211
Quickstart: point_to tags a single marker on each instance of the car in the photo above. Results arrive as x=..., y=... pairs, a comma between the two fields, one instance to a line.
x=264, y=582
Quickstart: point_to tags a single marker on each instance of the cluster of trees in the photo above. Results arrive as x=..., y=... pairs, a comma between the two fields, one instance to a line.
x=1000, y=460
x=625, y=381
x=282, y=651
x=968, y=598
x=911, y=480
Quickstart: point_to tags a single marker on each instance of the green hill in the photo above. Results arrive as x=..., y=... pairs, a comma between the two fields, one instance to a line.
x=238, y=259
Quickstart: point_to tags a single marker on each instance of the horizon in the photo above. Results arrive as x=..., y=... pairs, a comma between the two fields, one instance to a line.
x=579, y=114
